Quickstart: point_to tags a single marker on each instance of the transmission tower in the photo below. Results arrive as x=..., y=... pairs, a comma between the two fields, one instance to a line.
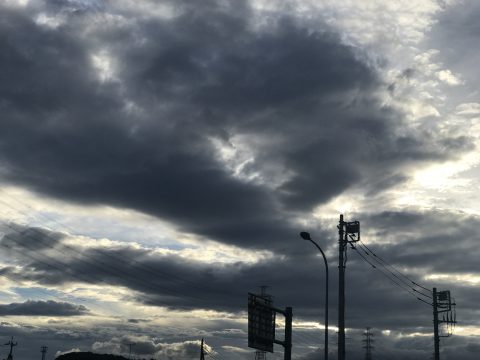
x=43, y=350
x=11, y=343
x=368, y=343
x=262, y=355
x=130, y=350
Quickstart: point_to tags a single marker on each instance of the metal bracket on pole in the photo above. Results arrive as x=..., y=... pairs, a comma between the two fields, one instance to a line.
x=287, y=342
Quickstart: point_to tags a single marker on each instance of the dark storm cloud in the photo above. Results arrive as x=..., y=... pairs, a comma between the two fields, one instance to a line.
x=142, y=140
x=31, y=238
x=437, y=241
x=42, y=308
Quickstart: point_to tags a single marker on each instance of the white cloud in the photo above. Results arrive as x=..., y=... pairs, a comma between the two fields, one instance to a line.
x=469, y=109
x=58, y=353
x=448, y=77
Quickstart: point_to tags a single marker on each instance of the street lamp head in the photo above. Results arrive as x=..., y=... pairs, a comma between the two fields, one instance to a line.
x=305, y=235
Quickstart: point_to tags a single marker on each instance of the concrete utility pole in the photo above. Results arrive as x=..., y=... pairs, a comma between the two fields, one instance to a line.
x=202, y=352
x=341, y=290
x=442, y=303
x=43, y=350
x=436, y=337
x=368, y=344
x=445, y=305
x=348, y=233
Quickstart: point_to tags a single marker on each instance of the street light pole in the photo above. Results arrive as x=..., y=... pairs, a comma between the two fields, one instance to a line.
x=306, y=236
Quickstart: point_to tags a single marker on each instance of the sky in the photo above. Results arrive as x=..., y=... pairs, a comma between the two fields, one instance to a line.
x=158, y=160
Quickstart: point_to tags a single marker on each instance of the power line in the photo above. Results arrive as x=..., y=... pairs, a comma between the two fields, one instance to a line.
x=388, y=277
x=407, y=284
x=380, y=259
x=60, y=266
x=155, y=272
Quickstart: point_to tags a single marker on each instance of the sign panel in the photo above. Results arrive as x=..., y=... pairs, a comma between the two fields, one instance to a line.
x=261, y=323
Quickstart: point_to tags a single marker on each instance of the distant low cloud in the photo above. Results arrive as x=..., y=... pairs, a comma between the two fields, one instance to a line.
x=144, y=346
x=42, y=308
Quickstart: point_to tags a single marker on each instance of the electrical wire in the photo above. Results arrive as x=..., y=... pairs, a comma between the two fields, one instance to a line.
x=216, y=356
x=393, y=267
x=400, y=279
x=144, y=267
x=60, y=266
x=156, y=273
x=388, y=277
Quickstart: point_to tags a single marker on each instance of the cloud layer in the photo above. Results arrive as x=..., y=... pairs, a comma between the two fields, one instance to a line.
x=42, y=308
x=210, y=120
x=237, y=125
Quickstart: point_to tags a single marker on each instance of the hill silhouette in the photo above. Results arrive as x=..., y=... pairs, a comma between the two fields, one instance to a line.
x=89, y=356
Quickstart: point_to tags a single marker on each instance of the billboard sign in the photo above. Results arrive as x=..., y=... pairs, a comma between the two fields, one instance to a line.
x=261, y=323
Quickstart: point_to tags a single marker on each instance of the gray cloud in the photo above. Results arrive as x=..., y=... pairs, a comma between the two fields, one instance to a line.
x=42, y=308
x=302, y=102
x=31, y=238
x=170, y=281
x=142, y=141
x=457, y=27
x=147, y=347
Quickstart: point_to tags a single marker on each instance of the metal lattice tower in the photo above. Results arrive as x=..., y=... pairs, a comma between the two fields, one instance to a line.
x=11, y=343
x=368, y=341
x=43, y=350
x=260, y=355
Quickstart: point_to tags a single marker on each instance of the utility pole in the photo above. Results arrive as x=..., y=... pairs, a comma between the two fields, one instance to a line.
x=442, y=304
x=202, y=352
x=368, y=344
x=287, y=344
x=348, y=233
x=341, y=290
x=43, y=350
x=11, y=343
x=436, y=337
